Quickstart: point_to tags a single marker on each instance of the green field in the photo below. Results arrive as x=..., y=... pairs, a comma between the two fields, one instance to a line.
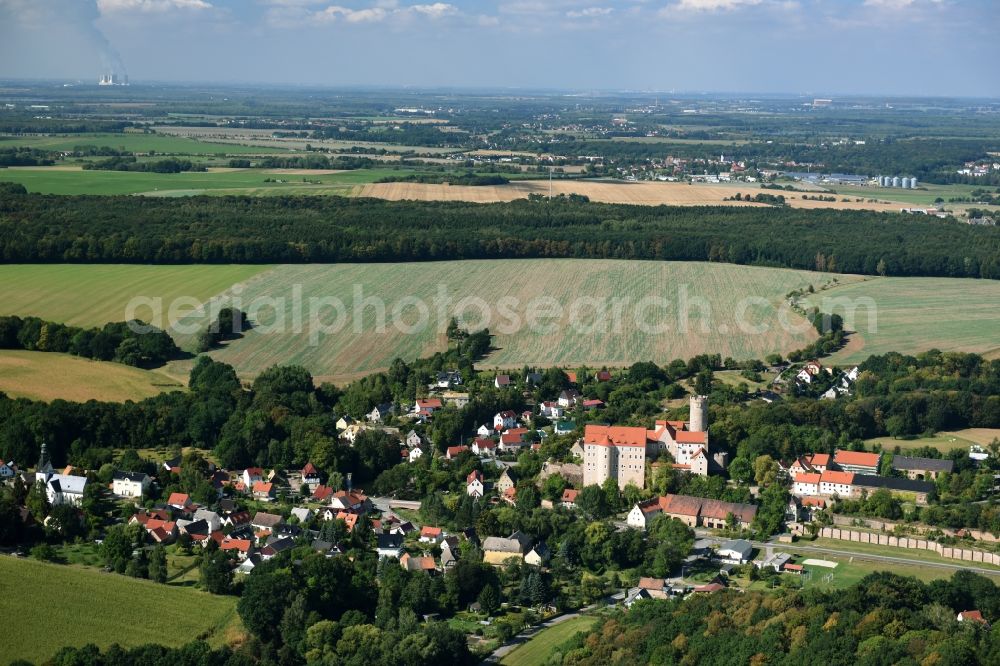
x=48, y=376
x=713, y=292
x=537, y=650
x=94, y=294
x=61, y=180
x=138, y=143
x=924, y=196
x=46, y=606
x=910, y=315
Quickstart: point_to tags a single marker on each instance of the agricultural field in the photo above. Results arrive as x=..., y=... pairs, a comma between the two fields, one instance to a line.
x=47, y=606
x=49, y=376
x=710, y=293
x=911, y=315
x=924, y=196
x=942, y=441
x=606, y=191
x=138, y=143
x=95, y=294
x=541, y=646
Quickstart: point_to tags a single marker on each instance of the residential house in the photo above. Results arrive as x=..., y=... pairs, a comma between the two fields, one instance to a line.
x=414, y=453
x=502, y=381
x=497, y=550
x=413, y=440
x=310, y=476
x=692, y=511
x=512, y=441
x=7, y=470
x=806, y=483
x=252, y=475
x=130, y=484
x=509, y=496
x=354, y=501
x=635, y=595
x=417, y=563
x=836, y=483
x=449, y=552
x=921, y=469
x=576, y=450
x=430, y=534
x=504, y=420
x=481, y=446
x=304, y=514
x=569, y=498
x=568, y=398
x=818, y=462
x=426, y=406
x=211, y=518
x=263, y=491
x=381, y=412
x=454, y=451
x=484, y=431
x=322, y=494
x=564, y=427
x=455, y=398
x=859, y=462
x=350, y=519
x=593, y=404
x=474, y=484
x=539, y=555
x=809, y=371
x=389, y=545
x=344, y=422
x=737, y=551
x=180, y=501
x=550, y=410
x=448, y=378
x=506, y=481
x=973, y=616
x=266, y=521
x=603, y=376
x=571, y=376
x=533, y=378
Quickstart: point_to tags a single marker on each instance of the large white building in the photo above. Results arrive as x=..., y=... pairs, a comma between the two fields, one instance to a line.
x=129, y=484
x=59, y=488
x=620, y=452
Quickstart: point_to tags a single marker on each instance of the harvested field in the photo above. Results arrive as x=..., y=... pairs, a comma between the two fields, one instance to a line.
x=710, y=293
x=48, y=376
x=644, y=193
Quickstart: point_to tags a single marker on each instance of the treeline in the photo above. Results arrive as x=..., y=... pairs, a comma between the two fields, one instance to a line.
x=883, y=619
x=468, y=178
x=295, y=229
x=117, y=341
x=129, y=163
x=347, y=162
x=21, y=156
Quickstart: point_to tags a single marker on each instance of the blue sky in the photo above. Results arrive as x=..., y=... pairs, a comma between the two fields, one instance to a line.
x=878, y=47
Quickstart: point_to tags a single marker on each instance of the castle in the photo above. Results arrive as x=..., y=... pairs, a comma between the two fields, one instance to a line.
x=620, y=452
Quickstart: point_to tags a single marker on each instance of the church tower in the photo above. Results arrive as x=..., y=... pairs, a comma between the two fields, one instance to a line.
x=44, y=466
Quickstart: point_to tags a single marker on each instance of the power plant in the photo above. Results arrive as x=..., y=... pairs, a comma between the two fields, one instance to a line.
x=112, y=79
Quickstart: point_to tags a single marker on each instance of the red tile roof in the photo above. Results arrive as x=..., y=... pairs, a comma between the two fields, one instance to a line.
x=614, y=435
x=309, y=470
x=818, y=459
x=178, y=499
x=428, y=531
x=453, y=451
x=860, y=458
x=844, y=478
x=429, y=403
x=473, y=476
x=807, y=477
x=689, y=437
x=322, y=493
x=569, y=495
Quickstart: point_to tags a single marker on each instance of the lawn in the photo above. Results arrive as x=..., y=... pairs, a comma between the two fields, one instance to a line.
x=942, y=441
x=911, y=315
x=47, y=606
x=137, y=143
x=886, y=551
x=48, y=376
x=592, y=330
x=95, y=294
x=541, y=646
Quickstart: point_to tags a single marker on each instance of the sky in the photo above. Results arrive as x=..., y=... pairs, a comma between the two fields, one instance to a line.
x=874, y=47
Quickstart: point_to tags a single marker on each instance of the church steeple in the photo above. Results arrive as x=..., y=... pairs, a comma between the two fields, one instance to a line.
x=44, y=463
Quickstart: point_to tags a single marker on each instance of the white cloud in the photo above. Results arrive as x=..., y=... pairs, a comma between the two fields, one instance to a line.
x=150, y=6
x=292, y=13
x=712, y=5
x=589, y=12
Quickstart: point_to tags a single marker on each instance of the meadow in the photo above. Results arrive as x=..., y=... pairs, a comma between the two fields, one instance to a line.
x=942, y=441
x=910, y=315
x=95, y=294
x=47, y=606
x=48, y=376
x=139, y=143
x=924, y=196
x=544, y=643
x=712, y=293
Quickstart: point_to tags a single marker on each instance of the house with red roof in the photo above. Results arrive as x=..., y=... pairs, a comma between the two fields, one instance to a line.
x=252, y=475
x=354, y=501
x=483, y=446
x=430, y=534
x=504, y=420
x=427, y=405
x=417, y=563
x=263, y=492
x=180, y=501
x=569, y=498
x=454, y=451
x=474, y=484
x=603, y=376
x=322, y=494
x=310, y=475
x=973, y=616
x=858, y=462
x=502, y=381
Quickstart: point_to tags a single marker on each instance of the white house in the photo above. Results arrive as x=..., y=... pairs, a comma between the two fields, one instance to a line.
x=806, y=484
x=474, y=484
x=737, y=551
x=483, y=446
x=504, y=420
x=415, y=453
x=7, y=470
x=568, y=398
x=413, y=440
x=252, y=475
x=836, y=483
x=130, y=484
x=551, y=410
x=381, y=412
x=484, y=431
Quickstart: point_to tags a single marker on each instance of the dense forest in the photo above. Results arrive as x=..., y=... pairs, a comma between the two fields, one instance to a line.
x=125, y=229
x=883, y=619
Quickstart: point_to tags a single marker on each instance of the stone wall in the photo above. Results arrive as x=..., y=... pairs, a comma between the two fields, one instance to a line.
x=950, y=552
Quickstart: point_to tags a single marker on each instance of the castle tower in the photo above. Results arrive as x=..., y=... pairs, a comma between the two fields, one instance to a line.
x=698, y=421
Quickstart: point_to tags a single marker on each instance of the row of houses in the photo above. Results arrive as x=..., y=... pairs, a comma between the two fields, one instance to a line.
x=692, y=511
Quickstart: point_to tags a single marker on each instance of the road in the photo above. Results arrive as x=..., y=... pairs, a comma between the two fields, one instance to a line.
x=384, y=504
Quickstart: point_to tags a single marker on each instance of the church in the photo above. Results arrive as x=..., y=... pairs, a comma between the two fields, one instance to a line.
x=59, y=488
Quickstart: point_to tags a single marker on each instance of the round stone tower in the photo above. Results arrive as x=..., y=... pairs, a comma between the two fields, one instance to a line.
x=699, y=413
